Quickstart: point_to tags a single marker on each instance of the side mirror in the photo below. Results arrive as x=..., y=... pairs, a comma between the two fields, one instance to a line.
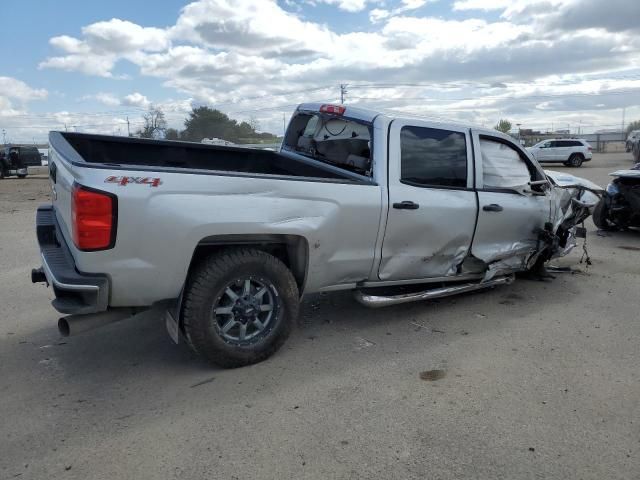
x=539, y=187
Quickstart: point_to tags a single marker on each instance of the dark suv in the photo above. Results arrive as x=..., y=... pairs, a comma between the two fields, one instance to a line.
x=14, y=160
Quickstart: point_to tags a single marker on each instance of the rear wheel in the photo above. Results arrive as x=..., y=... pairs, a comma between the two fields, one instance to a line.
x=240, y=306
x=575, y=160
x=22, y=176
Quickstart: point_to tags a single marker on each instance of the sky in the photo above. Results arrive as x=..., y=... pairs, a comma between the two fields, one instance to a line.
x=93, y=66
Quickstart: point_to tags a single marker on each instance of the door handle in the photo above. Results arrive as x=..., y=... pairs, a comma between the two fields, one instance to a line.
x=406, y=205
x=494, y=207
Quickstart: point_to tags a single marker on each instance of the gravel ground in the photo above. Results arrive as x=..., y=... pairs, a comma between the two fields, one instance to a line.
x=533, y=380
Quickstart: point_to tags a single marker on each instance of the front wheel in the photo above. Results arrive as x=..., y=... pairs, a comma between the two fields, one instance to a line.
x=23, y=175
x=240, y=306
x=601, y=215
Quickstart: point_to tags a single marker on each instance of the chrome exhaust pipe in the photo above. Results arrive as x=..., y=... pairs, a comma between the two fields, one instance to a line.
x=376, y=301
x=72, y=325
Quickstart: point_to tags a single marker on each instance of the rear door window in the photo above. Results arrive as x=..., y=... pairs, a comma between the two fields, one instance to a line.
x=432, y=157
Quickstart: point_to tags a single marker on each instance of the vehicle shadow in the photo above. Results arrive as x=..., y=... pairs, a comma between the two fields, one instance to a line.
x=142, y=343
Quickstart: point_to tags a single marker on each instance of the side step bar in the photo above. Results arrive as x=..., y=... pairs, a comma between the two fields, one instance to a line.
x=377, y=301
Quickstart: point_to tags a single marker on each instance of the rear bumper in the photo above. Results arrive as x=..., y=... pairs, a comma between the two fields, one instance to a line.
x=76, y=292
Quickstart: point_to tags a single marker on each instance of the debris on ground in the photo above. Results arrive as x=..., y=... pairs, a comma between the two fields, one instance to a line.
x=203, y=382
x=363, y=343
x=432, y=375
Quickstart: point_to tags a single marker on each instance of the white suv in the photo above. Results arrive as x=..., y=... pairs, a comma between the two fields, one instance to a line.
x=572, y=152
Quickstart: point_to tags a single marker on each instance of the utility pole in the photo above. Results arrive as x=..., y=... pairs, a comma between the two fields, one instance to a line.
x=65, y=127
x=623, y=114
x=284, y=125
x=4, y=136
x=343, y=92
x=128, y=131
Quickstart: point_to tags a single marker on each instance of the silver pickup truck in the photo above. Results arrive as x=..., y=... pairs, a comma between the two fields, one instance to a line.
x=223, y=241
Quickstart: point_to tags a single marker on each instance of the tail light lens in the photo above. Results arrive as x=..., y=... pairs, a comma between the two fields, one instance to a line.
x=93, y=218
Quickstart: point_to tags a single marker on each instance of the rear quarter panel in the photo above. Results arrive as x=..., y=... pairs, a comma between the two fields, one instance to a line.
x=160, y=227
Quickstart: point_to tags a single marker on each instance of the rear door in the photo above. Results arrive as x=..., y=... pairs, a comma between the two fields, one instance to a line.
x=510, y=217
x=432, y=205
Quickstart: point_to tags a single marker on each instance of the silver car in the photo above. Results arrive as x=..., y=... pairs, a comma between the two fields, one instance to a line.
x=224, y=240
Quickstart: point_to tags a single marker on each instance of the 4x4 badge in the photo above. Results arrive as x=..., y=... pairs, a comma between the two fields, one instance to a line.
x=124, y=181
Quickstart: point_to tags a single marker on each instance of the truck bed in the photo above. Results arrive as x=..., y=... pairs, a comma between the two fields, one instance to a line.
x=160, y=154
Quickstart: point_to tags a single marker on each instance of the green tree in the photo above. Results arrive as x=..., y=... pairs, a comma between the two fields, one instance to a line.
x=633, y=126
x=205, y=122
x=503, y=126
x=155, y=124
x=172, y=134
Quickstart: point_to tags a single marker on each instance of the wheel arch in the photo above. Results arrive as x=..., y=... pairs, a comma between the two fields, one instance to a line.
x=292, y=250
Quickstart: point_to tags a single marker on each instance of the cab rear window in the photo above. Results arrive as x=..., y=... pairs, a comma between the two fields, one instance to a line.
x=331, y=139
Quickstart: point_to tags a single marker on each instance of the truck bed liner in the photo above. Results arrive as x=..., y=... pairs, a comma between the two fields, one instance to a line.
x=123, y=151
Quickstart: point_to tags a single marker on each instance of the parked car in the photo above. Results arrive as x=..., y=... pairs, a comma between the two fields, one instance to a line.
x=571, y=152
x=224, y=240
x=631, y=139
x=619, y=207
x=15, y=160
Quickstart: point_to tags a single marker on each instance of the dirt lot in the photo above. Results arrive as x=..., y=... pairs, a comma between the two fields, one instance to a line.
x=537, y=380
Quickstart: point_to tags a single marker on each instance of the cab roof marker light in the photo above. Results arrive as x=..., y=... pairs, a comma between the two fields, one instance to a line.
x=334, y=109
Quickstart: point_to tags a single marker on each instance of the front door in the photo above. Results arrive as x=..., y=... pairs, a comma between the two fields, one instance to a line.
x=511, y=215
x=545, y=152
x=432, y=205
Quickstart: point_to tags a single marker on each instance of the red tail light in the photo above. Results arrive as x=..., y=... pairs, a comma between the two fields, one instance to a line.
x=335, y=109
x=590, y=148
x=93, y=218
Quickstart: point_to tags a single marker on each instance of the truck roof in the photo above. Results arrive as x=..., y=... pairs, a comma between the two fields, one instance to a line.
x=369, y=115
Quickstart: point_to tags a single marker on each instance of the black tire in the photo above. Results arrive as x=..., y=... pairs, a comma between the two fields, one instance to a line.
x=575, y=160
x=22, y=176
x=208, y=285
x=601, y=215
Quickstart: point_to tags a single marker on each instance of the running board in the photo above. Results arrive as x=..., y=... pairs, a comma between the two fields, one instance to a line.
x=376, y=301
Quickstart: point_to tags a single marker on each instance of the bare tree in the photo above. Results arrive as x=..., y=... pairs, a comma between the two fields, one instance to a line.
x=254, y=123
x=155, y=124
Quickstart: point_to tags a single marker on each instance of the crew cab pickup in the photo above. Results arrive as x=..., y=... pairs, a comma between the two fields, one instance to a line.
x=223, y=240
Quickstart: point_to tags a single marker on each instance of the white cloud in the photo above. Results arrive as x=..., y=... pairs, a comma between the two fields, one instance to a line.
x=108, y=99
x=481, y=4
x=121, y=36
x=349, y=5
x=14, y=91
x=18, y=90
x=103, y=44
x=136, y=100
x=378, y=14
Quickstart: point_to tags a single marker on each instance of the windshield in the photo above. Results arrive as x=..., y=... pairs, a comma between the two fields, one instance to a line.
x=331, y=139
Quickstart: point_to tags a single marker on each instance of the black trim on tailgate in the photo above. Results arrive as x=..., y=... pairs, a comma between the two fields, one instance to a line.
x=76, y=293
